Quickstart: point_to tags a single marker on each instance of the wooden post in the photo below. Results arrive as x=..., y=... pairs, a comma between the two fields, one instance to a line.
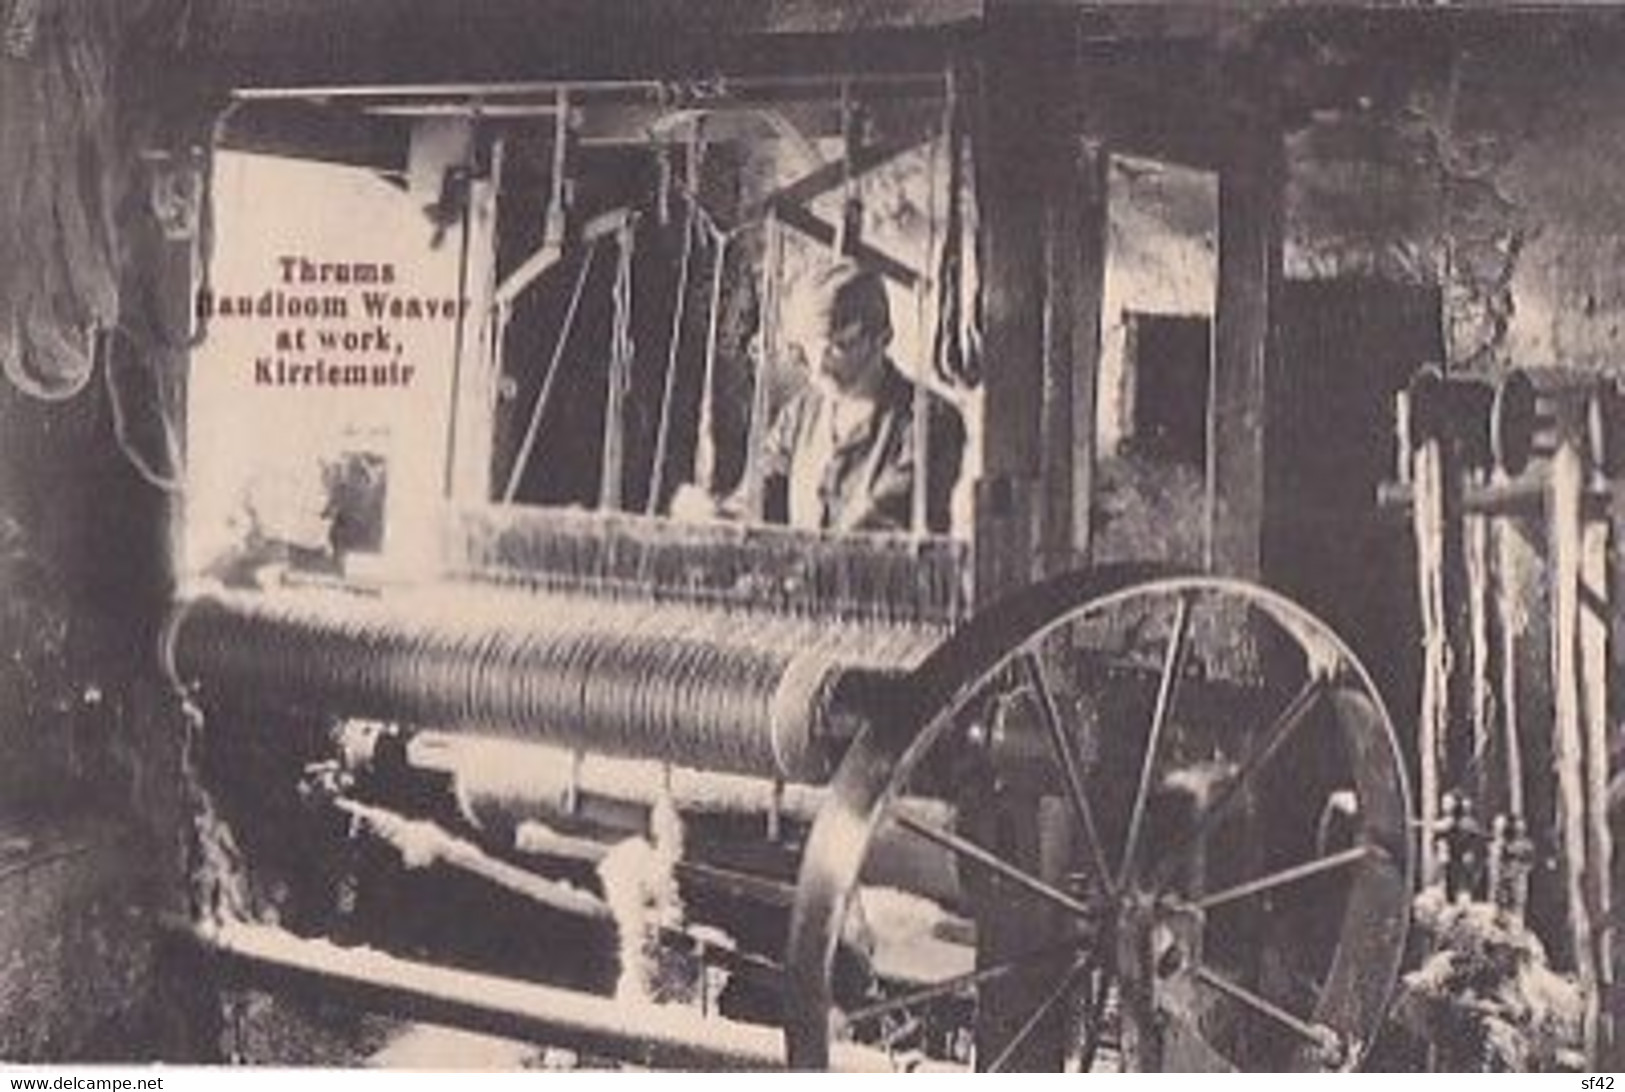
x=1566, y=518
x=1613, y=1047
x=1015, y=106
x=1075, y=260
x=1042, y=240
x=1595, y=623
x=1593, y=665
x=1246, y=355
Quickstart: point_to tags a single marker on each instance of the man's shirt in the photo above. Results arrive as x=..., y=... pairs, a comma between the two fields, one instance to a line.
x=822, y=474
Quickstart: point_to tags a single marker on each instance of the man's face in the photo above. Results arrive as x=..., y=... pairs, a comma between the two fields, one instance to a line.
x=845, y=359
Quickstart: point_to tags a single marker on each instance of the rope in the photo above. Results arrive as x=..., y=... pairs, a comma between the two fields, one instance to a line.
x=553, y=225
x=705, y=450
x=460, y=334
x=620, y=367
x=850, y=231
x=207, y=239
x=121, y=433
x=920, y=502
x=948, y=353
x=657, y=483
x=544, y=396
x=1476, y=553
x=772, y=267
x=1511, y=627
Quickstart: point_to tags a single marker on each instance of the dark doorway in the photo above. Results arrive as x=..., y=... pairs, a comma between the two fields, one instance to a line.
x=1170, y=360
x=1347, y=348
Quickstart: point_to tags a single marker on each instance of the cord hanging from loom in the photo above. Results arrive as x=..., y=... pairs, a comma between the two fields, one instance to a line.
x=919, y=514
x=459, y=346
x=621, y=356
x=553, y=222
x=954, y=352
x=705, y=450
x=679, y=309
x=850, y=234
x=1476, y=553
x=204, y=240
x=554, y=369
x=169, y=481
x=772, y=270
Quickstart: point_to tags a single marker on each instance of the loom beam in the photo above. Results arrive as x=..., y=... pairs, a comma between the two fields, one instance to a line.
x=638, y=682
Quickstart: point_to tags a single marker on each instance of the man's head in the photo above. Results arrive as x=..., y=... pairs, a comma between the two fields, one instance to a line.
x=842, y=320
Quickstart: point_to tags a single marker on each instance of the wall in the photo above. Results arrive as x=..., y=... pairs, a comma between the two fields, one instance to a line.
x=1494, y=176
x=89, y=783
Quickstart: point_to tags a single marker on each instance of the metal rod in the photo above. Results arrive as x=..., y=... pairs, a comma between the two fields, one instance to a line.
x=1069, y=766
x=1166, y=685
x=654, y=1035
x=1045, y=1007
x=460, y=333
x=970, y=850
x=554, y=367
x=1510, y=497
x=951, y=985
x=674, y=344
x=1314, y=1033
x=1296, y=712
x=1285, y=876
x=705, y=444
x=1097, y=1013
x=652, y=88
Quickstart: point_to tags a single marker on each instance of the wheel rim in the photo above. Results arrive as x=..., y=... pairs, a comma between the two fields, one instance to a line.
x=1263, y=930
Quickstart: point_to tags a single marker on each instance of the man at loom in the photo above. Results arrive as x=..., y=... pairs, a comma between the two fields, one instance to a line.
x=841, y=454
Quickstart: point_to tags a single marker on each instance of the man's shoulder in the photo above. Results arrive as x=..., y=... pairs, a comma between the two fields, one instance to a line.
x=901, y=388
x=942, y=413
x=942, y=416
x=794, y=418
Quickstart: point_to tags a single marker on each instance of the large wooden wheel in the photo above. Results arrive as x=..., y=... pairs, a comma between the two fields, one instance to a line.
x=1115, y=822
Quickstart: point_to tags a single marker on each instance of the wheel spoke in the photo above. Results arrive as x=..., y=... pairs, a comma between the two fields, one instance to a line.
x=1285, y=876
x=1315, y=1033
x=1172, y=663
x=1232, y=793
x=1045, y=1007
x=975, y=853
x=949, y=986
x=1070, y=766
x=1097, y=1013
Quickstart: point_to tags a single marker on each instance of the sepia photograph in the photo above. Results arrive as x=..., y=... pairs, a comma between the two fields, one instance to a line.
x=919, y=536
